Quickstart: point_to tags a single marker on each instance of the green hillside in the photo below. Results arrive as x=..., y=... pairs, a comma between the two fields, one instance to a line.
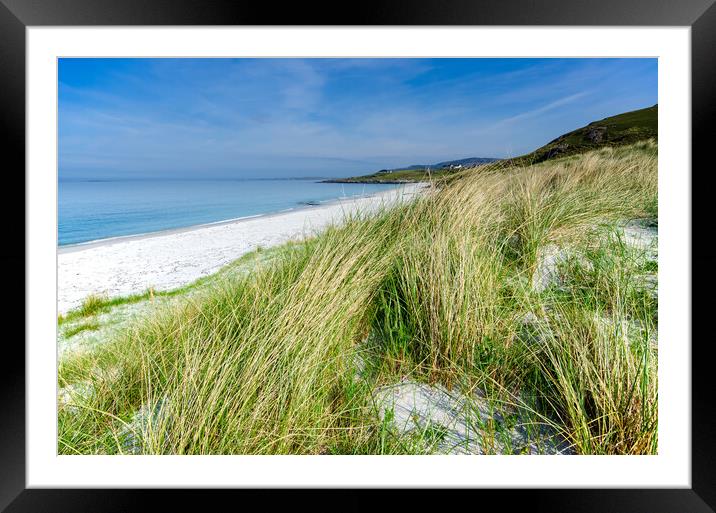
x=397, y=176
x=625, y=128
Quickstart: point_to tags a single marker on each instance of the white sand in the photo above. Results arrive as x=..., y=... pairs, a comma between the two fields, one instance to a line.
x=166, y=260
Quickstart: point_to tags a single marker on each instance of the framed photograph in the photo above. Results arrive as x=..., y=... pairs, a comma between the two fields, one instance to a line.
x=421, y=247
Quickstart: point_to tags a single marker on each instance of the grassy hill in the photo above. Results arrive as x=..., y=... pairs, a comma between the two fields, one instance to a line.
x=417, y=173
x=396, y=176
x=625, y=128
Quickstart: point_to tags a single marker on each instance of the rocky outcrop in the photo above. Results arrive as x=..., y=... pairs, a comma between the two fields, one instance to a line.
x=596, y=134
x=555, y=151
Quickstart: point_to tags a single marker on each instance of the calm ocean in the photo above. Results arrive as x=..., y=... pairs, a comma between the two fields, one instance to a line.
x=93, y=210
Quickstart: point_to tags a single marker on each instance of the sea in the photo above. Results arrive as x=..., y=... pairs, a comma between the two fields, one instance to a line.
x=93, y=210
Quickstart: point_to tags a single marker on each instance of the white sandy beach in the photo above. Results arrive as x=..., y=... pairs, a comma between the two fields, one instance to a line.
x=166, y=260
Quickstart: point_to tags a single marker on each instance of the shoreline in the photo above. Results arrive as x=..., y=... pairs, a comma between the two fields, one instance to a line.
x=79, y=246
x=371, y=182
x=168, y=259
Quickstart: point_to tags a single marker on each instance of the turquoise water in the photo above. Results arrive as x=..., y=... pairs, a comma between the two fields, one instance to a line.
x=94, y=210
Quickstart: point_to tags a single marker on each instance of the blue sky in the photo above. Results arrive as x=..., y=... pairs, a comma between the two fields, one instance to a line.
x=248, y=118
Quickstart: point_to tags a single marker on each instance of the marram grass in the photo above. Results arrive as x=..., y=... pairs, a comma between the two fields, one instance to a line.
x=283, y=360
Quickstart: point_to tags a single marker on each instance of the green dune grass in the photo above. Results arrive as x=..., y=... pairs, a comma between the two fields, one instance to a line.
x=284, y=359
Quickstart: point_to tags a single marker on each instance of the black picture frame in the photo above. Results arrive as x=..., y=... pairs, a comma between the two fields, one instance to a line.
x=700, y=15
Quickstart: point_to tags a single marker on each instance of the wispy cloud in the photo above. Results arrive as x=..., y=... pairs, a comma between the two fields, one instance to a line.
x=250, y=117
x=542, y=109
